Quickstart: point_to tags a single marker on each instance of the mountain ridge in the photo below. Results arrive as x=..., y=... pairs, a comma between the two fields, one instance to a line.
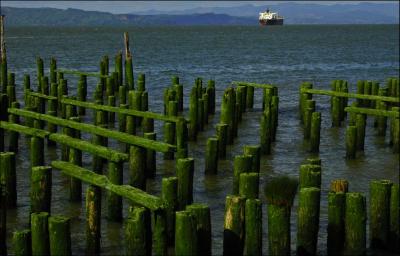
x=294, y=13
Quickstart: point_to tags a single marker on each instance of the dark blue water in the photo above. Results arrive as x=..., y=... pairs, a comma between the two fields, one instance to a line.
x=284, y=56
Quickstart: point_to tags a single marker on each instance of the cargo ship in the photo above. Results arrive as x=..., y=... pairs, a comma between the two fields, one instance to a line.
x=268, y=18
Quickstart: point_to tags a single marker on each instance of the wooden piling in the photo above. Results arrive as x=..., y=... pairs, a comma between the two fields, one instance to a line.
x=138, y=232
x=222, y=135
x=265, y=132
x=336, y=207
x=40, y=233
x=379, y=206
x=351, y=142
x=21, y=241
x=310, y=176
x=249, y=185
x=228, y=113
x=394, y=225
x=335, y=111
x=59, y=235
x=40, y=195
x=3, y=222
x=253, y=227
x=137, y=167
x=315, y=132
x=169, y=194
x=93, y=220
x=185, y=234
x=202, y=218
x=279, y=192
x=255, y=152
x=8, y=178
x=234, y=225
x=355, y=224
x=211, y=159
x=184, y=172
x=13, y=136
x=308, y=220
x=241, y=164
x=360, y=124
x=114, y=202
x=193, y=114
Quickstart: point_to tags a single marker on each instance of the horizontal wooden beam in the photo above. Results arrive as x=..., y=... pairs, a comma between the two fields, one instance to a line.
x=122, y=137
x=101, y=151
x=41, y=95
x=135, y=195
x=77, y=72
x=24, y=129
x=373, y=112
x=351, y=95
x=131, y=112
x=265, y=86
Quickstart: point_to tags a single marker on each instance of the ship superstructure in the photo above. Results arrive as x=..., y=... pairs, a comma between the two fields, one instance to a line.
x=270, y=18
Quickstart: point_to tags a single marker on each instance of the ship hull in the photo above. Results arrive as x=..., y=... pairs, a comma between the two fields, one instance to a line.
x=271, y=22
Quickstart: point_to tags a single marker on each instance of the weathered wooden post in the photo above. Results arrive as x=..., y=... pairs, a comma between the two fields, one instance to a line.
x=249, y=185
x=193, y=113
x=59, y=235
x=41, y=181
x=228, y=113
x=184, y=172
x=150, y=156
x=253, y=227
x=93, y=220
x=310, y=176
x=355, y=224
x=279, y=193
x=40, y=71
x=304, y=97
x=21, y=241
x=255, y=152
x=360, y=124
x=315, y=132
x=241, y=164
x=335, y=111
x=202, y=217
x=211, y=93
x=234, y=225
x=211, y=159
x=169, y=194
x=265, y=132
x=382, y=120
x=394, y=225
x=185, y=234
x=308, y=220
x=351, y=142
x=137, y=167
x=222, y=135
x=3, y=222
x=249, y=97
x=114, y=202
x=122, y=119
x=309, y=109
x=274, y=115
x=8, y=178
x=380, y=191
x=336, y=207
x=40, y=233
x=138, y=232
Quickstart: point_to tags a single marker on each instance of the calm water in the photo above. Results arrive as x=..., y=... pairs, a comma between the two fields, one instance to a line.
x=285, y=56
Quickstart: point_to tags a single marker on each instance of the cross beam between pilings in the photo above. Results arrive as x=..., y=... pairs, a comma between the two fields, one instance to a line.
x=122, y=137
x=130, y=112
x=135, y=195
x=82, y=145
x=373, y=112
x=264, y=86
x=350, y=95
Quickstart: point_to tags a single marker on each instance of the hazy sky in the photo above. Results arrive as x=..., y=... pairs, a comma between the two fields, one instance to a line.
x=138, y=6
